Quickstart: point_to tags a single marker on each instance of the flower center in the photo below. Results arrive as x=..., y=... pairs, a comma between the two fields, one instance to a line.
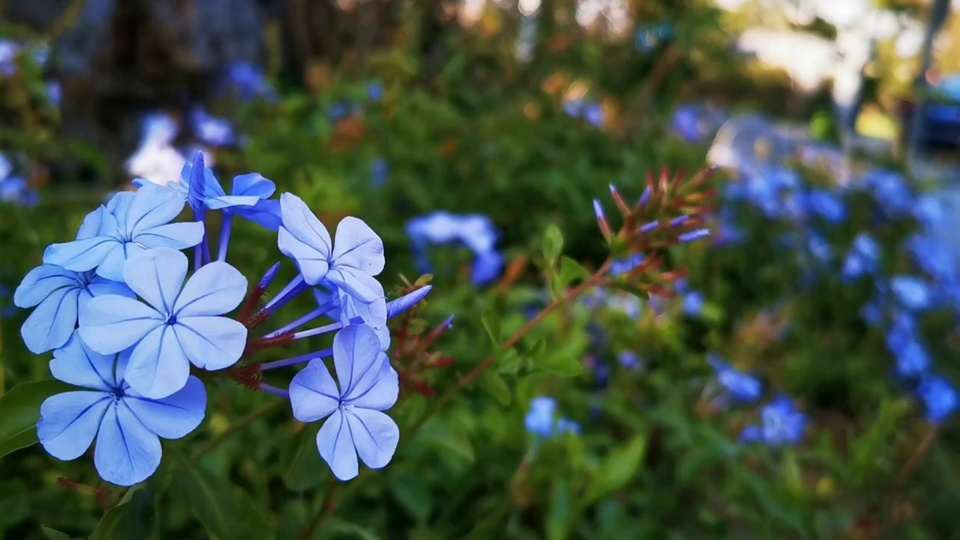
x=117, y=394
x=171, y=319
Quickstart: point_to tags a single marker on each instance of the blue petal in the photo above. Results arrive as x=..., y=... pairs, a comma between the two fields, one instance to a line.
x=336, y=447
x=110, y=324
x=375, y=436
x=214, y=289
x=69, y=421
x=76, y=364
x=41, y=282
x=117, y=207
x=357, y=246
x=254, y=185
x=313, y=393
x=99, y=286
x=172, y=417
x=127, y=452
x=92, y=224
x=157, y=275
x=211, y=343
x=173, y=235
x=52, y=322
x=304, y=239
x=229, y=201
x=111, y=267
x=407, y=301
x=356, y=350
x=355, y=282
x=80, y=255
x=151, y=207
x=265, y=213
x=382, y=387
x=158, y=366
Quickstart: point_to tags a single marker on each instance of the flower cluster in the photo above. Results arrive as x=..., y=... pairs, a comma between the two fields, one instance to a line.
x=474, y=231
x=130, y=324
x=14, y=188
x=543, y=422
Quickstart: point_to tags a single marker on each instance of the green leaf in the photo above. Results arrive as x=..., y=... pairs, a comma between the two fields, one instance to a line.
x=493, y=384
x=132, y=517
x=561, y=364
x=53, y=534
x=571, y=270
x=617, y=470
x=411, y=491
x=450, y=437
x=552, y=243
x=20, y=411
x=226, y=511
x=561, y=508
x=301, y=464
x=491, y=322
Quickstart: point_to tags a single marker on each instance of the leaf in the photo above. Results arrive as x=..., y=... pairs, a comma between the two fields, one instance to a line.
x=350, y=530
x=20, y=411
x=132, y=517
x=53, y=534
x=410, y=490
x=450, y=437
x=491, y=322
x=226, y=511
x=617, y=470
x=301, y=466
x=561, y=364
x=571, y=270
x=561, y=508
x=552, y=243
x=494, y=385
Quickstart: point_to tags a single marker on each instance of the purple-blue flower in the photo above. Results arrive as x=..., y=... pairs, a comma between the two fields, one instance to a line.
x=211, y=130
x=782, y=424
x=542, y=420
x=912, y=293
x=174, y=325
x=357, y=424
x=939, y=397
x=740, y=387
x=350, y=264
x=128, y=426
x=59, y=295
x=474, y=231
x=863, y=259
x=131, y=223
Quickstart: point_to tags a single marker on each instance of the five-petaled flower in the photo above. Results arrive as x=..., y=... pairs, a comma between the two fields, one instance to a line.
x=356, y=423
x=128, y=426
x=171, y=328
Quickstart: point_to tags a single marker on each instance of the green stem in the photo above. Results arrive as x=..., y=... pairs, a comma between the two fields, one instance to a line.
x=235, y=428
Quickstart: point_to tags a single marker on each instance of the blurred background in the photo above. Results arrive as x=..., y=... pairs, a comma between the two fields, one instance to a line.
x=799, y=385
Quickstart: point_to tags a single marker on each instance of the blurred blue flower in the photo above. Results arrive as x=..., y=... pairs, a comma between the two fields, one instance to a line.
x=630, y=360
x=890, y=190
x=863, y=259
x=827, y=205
x=380, y=172
x=8, y=57
x=593, y=114
x=128, y=426
x=54, y=92
x=131, y=223
x=338, y=110
x=542, y=420
x=782, y=424
x=934, y=258
x=939, y=397
x=249, y=82
x=375, y=92
x=906, y=346
x=912, y=293
x=693, y=303
x=473, y=231
x=210, y=130
x=740, y=387
x=929, y=211
x=623, y=266
x=16, y=190
x=357, y=424
x=174, y=325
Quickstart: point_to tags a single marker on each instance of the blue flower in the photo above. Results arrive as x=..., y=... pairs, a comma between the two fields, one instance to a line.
x=929, y=211
x=175, y=324
x=14, y=189
x=912, y=293
x=906, y=346
x=59, y=295
x=934, y=258
x=939, y=397
x=380, y=171
x=630, y=360
x=890, y=190
x=623, y=266
x=782, y=424
x=131, y=223
x=863, y=259
x=693, y=303
x=542, y=420
x=740, y=387
x=350, y=264
x=210, y=130
x=375, y=92
x=356, y=423
x=128, y=426
x=593, y=114
x=339, y=110
x=249, y=199
x=249, y=82
x=8, y=57
x=474, y=231
x=827, y=205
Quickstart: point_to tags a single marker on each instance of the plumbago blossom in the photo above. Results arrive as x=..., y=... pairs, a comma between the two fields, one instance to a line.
x=128, y=324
